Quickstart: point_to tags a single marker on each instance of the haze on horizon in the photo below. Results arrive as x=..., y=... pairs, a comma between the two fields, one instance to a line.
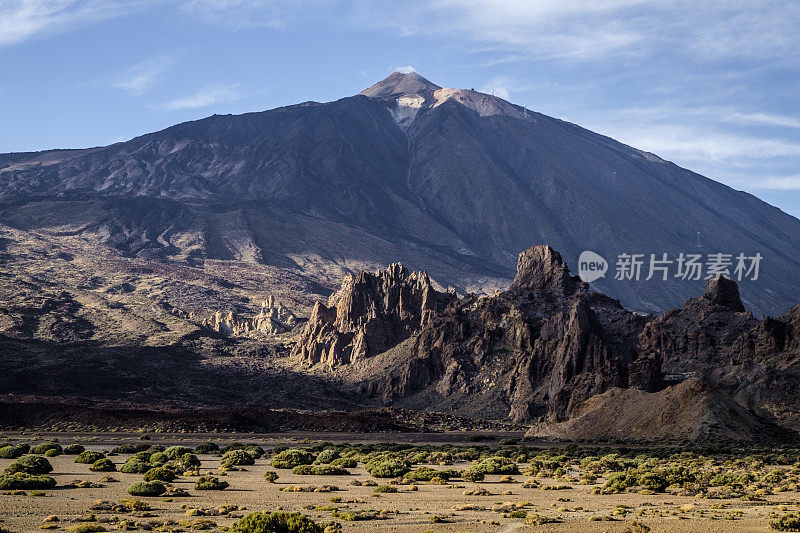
x=712, y=87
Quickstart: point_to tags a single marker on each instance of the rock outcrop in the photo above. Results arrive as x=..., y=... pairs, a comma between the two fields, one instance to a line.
x=541, y=350
x=274, y=318
x=369, y=314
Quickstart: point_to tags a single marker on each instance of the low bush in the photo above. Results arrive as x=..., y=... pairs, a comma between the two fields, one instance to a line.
x=88, y=457
x=271, y=476
x=787, y=522
x=276, y=523
x=236, y=458
x=23, y=481
x=174, y=452
x=472, y=475
x=43, y=448
x=387, y=468
x=13, y=451
x=73, y=449
x=319, y=470
x=103, y=465
x=426, y=473
x=52, y=453
x=147, y=488
x=30, y=464
x=292, y=458
x=496, y=465
x=159, y=473
x=187, y=461
x=131, y=448
x=206, y=447
x=135, y=467
x=158, y=458
x=345, y=462
x=210, y=483
x=327, y=456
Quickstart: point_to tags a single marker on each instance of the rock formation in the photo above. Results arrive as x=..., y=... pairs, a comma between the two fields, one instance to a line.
x=369, y=314
x=274, y=318
x=540, y=350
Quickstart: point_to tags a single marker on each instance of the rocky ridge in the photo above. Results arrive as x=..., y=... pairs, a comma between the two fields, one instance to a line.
x=539, y=351
x=369, y=314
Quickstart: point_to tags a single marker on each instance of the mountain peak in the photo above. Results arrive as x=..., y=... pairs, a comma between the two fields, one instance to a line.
x=401, y=84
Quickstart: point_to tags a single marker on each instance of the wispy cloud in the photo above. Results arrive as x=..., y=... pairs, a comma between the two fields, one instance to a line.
x=143, y=76
x=764, y=119
x=779, y=183
x=408, y=69
x=209, y=94
x=24, y=19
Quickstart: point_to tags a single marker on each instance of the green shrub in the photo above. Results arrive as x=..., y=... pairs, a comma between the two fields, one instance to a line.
x=147, y=488
x=52, y=453
x=345, y=462
x=787, y=522
x=472, y=475
x=496, y=465
x=319, y=470
x=385, y=489
x=387, y=468
x=210, y=483
x=159, y=473
x=131, y=448
x=271, y=476
x=256, y=451
x=30, y=464
x=158, y=458
x=206, y=447
x=135, y=467
x=236, y=458
x=103, y=465
x=426, y=473
x=23, y=481
x=276, y=523
x=187, y=461
x=12, y=451
x=43, y=448
x=292, y=458
x=88, y=457
x=73, y=449
x=174, y=452
x=327, y=456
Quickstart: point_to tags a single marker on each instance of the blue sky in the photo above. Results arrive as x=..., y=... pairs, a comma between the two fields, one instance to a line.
x=713, y=87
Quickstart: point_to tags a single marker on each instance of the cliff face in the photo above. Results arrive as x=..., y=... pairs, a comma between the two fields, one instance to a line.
x=539, y=350
x=369, y=314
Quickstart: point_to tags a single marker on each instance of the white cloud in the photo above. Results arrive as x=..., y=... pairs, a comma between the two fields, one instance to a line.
x=496, y=89
x=780, y=183
x=408, y=69
x=143, y=76
x=581, y=30
x=764, y=119
x=209, y=94
x=24, y=19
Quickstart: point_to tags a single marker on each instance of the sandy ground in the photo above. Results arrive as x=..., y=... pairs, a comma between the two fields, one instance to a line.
x=407, y=511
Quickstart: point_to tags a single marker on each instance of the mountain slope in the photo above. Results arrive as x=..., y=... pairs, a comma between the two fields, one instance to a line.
x=453, y=181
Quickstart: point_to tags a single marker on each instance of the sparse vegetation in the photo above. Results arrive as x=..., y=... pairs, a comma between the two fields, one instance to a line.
x=88, y=457
x=277, y=522
x=147, y=488
x=103, y=465
x=292, y=458
x=210, y=483
x=30, y=464
x=236, y=458
x=23, y=481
